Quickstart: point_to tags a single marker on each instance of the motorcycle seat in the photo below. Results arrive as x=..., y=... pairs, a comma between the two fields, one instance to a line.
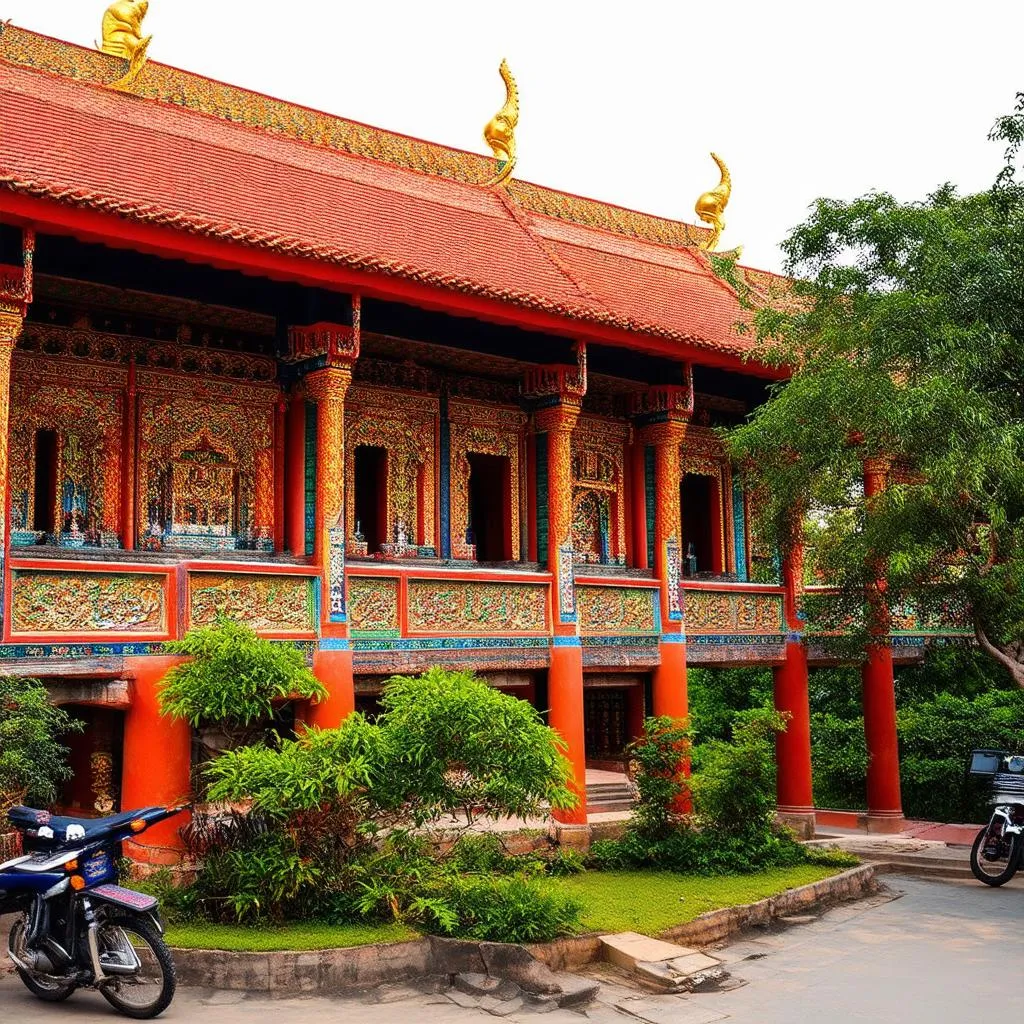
x=25, y=818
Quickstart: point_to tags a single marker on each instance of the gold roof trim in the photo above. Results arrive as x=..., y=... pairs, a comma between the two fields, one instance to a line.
x=241, y=106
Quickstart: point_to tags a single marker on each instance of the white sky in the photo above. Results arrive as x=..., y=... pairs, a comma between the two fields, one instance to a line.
x=623, y=102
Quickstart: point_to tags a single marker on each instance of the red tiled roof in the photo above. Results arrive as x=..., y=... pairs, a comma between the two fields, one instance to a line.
x=153, y=162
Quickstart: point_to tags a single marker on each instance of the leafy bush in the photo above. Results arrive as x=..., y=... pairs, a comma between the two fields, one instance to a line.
x=33, y=761
x=234, y=678
x=716, y=694
x=327, y=834
x=655, y=762
x=456, y=746
x=732, y=828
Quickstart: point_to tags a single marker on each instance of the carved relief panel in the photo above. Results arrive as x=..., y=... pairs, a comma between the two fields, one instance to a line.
x=599, y=498
x=65, y=451
x=404, y=424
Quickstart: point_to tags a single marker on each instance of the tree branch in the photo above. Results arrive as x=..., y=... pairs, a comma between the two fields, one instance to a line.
x=1015, y=668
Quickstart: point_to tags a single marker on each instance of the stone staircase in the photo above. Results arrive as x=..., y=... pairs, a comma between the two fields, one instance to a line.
x=606, y=795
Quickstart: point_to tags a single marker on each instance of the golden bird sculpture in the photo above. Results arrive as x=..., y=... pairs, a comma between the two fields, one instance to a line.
x=711, y=205
x=500, y=131
x=122, y=37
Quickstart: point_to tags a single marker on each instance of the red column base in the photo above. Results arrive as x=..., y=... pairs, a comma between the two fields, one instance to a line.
x=334, y=670
x=157, y=762
x=886, y=822
x=565, y=700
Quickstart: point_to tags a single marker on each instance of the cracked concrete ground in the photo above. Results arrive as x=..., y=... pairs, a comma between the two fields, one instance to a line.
x=943, y=951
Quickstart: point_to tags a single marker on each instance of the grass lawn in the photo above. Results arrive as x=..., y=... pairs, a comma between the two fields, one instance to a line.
x=291, y=936
x=651, y=901
x=614, y=901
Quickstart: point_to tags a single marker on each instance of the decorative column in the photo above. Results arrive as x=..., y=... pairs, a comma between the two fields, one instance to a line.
x=295, y=474
x=15, y=298
x=556, y=393
x=662, y=416
x=280, y=434
x=793, y=782
x=328, y=353
x=885, y=809
x=128, y=454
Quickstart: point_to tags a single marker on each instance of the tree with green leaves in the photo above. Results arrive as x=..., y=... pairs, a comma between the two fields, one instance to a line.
x=233, y=681
x=33, y=761
x=904, y=335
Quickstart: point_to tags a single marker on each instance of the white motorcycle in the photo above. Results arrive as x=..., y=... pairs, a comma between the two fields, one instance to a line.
x=997, y=850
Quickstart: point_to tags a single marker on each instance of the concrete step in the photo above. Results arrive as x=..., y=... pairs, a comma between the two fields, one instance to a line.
x=604, y=806
x=659, y=963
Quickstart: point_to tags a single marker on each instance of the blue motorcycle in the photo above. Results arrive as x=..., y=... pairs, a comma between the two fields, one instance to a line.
x=76, y=927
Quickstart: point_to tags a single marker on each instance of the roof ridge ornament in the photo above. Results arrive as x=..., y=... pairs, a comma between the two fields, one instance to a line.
x=711, y=205
x=499, y=133
x=122, y=37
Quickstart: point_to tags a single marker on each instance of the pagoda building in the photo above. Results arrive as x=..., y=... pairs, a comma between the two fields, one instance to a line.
x=375, y=397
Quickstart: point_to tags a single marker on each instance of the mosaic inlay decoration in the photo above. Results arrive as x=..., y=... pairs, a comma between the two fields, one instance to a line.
x=723, y=612
x=455, y=607
x=87, y=602
x=616, y=610
x=269, y=603
x=373, y=606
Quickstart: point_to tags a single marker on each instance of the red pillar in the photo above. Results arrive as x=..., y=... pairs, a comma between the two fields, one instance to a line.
x=669, y=684
x=280, y=433
x=332, y=663
x=565, y=676
x=334, y=670
x=157, y=760
x=793, y=779
x=885, y=809
x=295, y=476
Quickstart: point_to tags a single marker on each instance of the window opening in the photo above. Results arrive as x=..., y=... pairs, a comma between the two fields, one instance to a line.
x=371, y=499
x=45, y=481
x=490, y=507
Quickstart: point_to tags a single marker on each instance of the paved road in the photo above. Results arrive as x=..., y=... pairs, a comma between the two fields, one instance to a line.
x=942, y=952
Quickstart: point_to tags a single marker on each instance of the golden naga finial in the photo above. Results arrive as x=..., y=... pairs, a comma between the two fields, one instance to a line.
x=122, y=37
x=711, y=205
x=500, y=132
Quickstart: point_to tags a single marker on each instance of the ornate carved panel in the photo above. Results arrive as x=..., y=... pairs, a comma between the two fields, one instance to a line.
x=723, y=612
x=616, y=610
x=404, y=424
x=87, y=422
x=599, y=497
x=87, y=602
x=373, y=606
x=179, y=423
x=483, y=430
x=456, y=608
x=269, y=603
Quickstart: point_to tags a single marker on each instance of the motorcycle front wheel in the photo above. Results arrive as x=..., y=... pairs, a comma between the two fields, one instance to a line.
x=140, y=972
x=49, y=988
x=1003, y=858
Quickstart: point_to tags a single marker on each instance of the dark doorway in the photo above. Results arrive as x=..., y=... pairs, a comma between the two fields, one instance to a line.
x=699, y=503
x=490, y=506
x=605, y=724
x=371, y=484
x=45, y=481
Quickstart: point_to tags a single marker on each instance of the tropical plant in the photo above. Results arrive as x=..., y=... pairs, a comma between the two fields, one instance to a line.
x=234, y=679
x=33, y=761
x=653, y=761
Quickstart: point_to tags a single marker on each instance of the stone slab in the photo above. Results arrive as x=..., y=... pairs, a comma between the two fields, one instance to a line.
x=626, y=949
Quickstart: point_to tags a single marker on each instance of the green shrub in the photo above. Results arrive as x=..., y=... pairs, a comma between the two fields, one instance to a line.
x=839, y=761
x=732, y=828
x=655, y=762
x=234, y=678
x=33, y=761
x=503, y=908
